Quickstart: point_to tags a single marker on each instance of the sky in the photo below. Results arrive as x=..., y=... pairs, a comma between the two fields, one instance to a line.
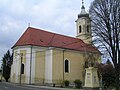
x=51, y=15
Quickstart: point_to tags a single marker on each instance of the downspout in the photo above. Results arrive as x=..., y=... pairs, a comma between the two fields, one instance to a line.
x=30, y=65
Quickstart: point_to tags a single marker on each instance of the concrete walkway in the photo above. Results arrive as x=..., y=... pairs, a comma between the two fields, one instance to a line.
x=50, y=87
x=41, y=86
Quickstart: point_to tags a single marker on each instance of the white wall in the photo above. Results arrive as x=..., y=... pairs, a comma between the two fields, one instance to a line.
x=16, y=63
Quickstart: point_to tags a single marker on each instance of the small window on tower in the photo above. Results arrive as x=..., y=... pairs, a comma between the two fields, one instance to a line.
x=80, y=29
x=88, y=28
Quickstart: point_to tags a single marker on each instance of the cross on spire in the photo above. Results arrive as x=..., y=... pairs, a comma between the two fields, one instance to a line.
x=82, y=5
x=82, y=2
x=82, y=9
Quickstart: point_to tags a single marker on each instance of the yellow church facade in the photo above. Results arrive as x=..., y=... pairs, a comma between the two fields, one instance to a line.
x=49, y=65
x=42, y=57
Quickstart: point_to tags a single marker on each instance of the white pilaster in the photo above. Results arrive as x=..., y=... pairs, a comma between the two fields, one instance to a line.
x=48, y=66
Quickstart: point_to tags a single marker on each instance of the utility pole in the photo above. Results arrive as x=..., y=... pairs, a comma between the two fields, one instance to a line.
x=30, y=65
x=21, y=57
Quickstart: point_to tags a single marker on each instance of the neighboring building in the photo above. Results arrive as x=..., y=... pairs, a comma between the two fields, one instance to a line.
x=46, y=57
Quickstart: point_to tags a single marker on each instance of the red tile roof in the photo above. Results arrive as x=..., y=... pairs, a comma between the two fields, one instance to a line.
x=38, y=37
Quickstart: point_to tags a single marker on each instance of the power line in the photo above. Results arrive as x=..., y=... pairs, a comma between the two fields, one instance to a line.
x=41, y=55
x=65, y=48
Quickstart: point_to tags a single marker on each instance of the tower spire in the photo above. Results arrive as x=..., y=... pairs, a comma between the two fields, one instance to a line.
x=83, y=8
x=84, y=25
x=83, y=5
x=82, y=2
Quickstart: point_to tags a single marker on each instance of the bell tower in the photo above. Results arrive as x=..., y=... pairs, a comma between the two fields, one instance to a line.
x=83, y=25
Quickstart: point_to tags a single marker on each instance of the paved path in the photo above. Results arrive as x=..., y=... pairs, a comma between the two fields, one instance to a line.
x=10, y=86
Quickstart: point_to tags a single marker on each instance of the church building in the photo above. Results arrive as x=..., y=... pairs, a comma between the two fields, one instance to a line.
x=42, y=57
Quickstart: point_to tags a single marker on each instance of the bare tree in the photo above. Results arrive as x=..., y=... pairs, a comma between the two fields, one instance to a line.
x=105, y=16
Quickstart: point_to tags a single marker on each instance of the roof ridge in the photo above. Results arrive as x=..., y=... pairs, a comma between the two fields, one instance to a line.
x=20, y=38
x=54, y=33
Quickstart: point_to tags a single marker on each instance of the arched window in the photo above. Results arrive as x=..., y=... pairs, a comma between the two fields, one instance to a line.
x=88, y=28
x=66, y=66
x=80, y=29
x=22, y=68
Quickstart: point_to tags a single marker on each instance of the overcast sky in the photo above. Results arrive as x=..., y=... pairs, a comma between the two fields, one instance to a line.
x=52, y=15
